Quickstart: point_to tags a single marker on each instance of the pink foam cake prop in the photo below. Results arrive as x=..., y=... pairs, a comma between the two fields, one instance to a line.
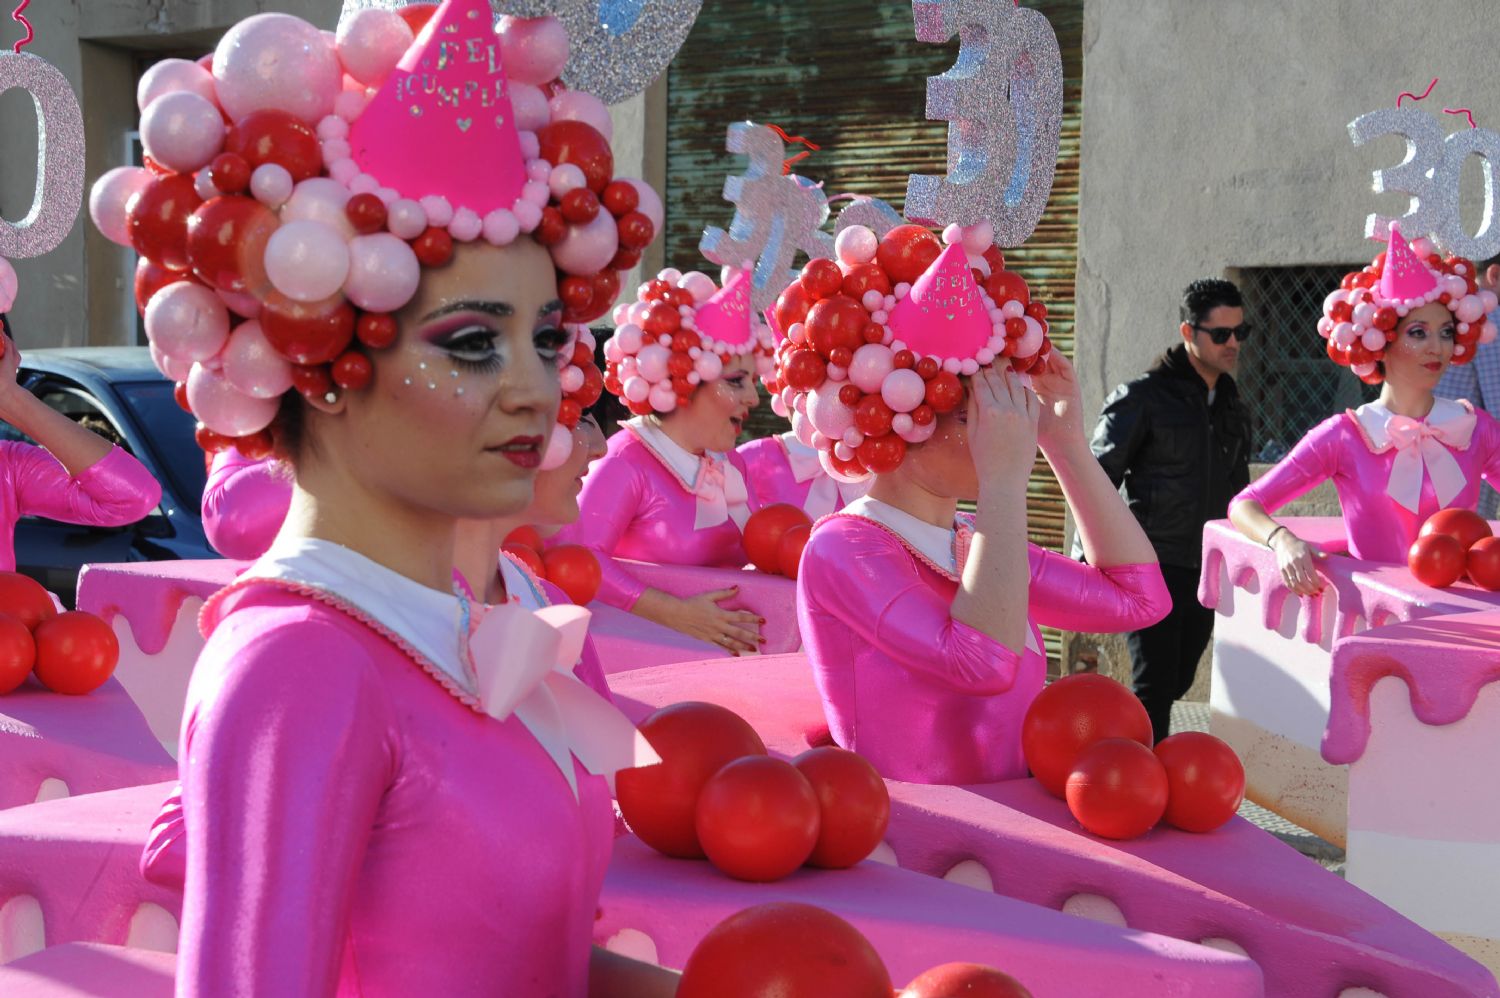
x=945, y=315
x=1405, y=278
x=83, y=970
x=725, y=318
x=442, y=123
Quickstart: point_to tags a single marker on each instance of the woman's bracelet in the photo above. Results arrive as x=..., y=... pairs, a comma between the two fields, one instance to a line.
x=1279, y=527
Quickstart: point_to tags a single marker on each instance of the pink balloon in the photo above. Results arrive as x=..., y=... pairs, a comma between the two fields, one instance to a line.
x=225, y=409
x=174, y=368
x=319, y=199
x=559, y=447
x=241, y=304
x=829, y=416
x=187, y=320
x=182, y=131
x=280, y=62
x=534, y=49
x=9, y=285
x=650, y=205
x=252, y=365
x=587, y=249
x=307, y=260
x=171, y=75
x=370, y=42
x=576, y=105
x=383, y=272
x=529, y=105
x=872, y=362
x=406, y=218
x=271, y=183
x=903, y=390
x=110, y=197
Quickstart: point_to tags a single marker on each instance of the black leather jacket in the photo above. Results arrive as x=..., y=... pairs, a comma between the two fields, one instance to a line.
x=1179, y=459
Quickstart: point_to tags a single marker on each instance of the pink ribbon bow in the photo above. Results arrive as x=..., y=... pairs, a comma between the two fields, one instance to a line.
x=523, y=665
x=721, y=493
x=1424, y=446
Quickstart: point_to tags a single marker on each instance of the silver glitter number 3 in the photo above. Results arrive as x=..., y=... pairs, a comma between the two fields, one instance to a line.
x=59, y=158
x=1003, y=102
x=1429, y=175
x=775, y=216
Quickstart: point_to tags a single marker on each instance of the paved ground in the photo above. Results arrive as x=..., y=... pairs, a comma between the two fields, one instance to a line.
x=1191, y=716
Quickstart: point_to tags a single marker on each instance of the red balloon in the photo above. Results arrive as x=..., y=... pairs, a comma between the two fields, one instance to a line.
x=1463, y=525
x=527, y=556
x=352, y=371
x=1436, y=560
x=151, y=277
x=230, y=173
x=376, y=330
x=792, y=306
x=1117, y=789
x=836, y=322
x=17, y=653
x=620, y=198
x=526, y=535
x=271, y=136
x=964, y=980
x=311, y=380
x=24, y=598
x=574, y=569
x=695, y=741
x=907, y=251
x=822, y=278
x=661, y=318
x=579, y=206
x=1007, y=285
x=994, y=258
x=864, y=277
x=75, y=652
x=416, y=15
x=1070, y=715
x=635, y=231
x=256, y=445
x=209, y=441
x=853, y=802
x=1483, y=563
x=757, y=819
x=881, y=454
x=763, y=530
x=308, y=333
x=582, y=145
x=784, y=950
x=872, y=416
x=157, y=219
x=605, y=286
x=366, y=213
x=789, y=551
x=226, y=243
x=944, y=392
x=804, y=370
x=850, y=468
x=1205, y=780
x=434, y=247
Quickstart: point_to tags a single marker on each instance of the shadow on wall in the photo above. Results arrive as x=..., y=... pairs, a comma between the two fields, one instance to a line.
x=1107, y=654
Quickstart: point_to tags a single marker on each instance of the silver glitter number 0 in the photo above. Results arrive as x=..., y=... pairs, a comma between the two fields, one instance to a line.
x=59, y=167
x=1003, y=102
x=1429, y=175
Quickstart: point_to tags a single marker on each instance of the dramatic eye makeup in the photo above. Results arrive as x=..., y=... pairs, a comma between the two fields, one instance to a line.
x=473, y=344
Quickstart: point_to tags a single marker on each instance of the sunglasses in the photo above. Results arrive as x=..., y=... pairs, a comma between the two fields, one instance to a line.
x=1220, y=334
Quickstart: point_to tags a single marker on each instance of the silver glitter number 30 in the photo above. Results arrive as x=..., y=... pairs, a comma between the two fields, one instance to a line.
x=59, y=158
x=1003, y=102
x=1429, y=175
x=775, y=216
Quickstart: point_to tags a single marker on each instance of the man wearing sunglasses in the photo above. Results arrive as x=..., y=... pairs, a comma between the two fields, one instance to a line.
x=1176, y=440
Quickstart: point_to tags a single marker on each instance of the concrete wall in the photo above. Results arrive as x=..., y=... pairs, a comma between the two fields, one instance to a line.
x=1214, y=137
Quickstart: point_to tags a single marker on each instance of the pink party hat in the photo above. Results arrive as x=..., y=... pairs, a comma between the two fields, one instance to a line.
x=1405, y=277
x=945, y=315
x=777, y=336
x=442, y=123
x=726, y=316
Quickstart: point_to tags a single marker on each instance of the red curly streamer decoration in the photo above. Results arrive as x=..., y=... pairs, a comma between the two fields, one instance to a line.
x=1407, y=93
x=786, y=164
x=18, y=16
x=1463, y=111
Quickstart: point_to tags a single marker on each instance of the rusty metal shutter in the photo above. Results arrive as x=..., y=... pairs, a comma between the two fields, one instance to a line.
x=851, y=76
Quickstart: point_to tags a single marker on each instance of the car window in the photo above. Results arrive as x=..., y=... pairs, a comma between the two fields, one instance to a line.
x=170, y=430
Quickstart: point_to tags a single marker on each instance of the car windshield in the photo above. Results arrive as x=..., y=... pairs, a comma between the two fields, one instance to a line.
x=171, y=432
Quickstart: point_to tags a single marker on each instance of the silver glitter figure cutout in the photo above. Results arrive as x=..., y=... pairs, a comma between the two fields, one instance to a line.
x=59, y=168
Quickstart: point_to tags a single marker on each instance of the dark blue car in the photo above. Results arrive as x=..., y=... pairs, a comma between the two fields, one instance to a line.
x=118, y=393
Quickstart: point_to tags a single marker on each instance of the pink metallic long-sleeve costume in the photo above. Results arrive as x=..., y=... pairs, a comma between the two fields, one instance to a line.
x=924, y=697
x=113, y=491
x=782, y=469
x=382, y=811
x=1391, y=472
x=244, y=502
x=639, y=502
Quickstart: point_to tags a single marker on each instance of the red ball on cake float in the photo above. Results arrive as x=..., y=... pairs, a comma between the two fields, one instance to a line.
x=872, y=347
x=285, y=219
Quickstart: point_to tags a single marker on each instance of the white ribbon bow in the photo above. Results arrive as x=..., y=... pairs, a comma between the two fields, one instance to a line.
x=825, y=494
x=1424, y=446
x=722, y=494
x=523, y=665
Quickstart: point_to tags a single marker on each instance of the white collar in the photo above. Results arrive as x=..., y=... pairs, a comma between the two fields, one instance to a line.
x=802, y=459
x=519, y=585
x=678, y=459
x=1456, y=418
x=428, y=620
x=933, y=542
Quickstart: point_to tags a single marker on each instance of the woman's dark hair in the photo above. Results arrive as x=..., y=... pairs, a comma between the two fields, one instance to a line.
x=288, y=428
x=1206, y=294
x=4, y=323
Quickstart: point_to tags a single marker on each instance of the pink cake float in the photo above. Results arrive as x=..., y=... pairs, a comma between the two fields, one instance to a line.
x=1237, y=889
x=84, y=970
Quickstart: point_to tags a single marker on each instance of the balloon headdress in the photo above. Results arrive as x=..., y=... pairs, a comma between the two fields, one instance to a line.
x=680, y=333
x=297, y=184
x=1360, y=318
x=872, y=346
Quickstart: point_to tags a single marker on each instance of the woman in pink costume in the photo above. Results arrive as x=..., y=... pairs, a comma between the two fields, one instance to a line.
x=921, y=624
x=244, y=501
x=75, y=476
x=671, y=488
x=365, y=752
x=1403, y=457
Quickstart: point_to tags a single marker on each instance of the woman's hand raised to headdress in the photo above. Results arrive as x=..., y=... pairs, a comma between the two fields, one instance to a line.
x=1056, y=385
x=1003, y=415
x=10, y=361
